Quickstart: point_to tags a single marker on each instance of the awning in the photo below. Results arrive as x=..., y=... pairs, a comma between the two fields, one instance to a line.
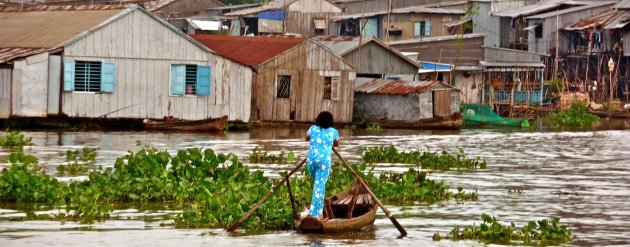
x=426, y=67
x=529, y=28
x=619, y=22
x=206, y=25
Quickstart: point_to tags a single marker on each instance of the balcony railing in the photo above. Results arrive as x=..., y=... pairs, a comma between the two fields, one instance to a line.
x=516, y=97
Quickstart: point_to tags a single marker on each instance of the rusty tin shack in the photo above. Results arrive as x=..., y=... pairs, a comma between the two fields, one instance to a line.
x=407, y=104
x=294, y=78
x=106, y=61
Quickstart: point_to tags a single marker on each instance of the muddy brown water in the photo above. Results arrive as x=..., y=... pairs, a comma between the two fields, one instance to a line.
x=583, y=177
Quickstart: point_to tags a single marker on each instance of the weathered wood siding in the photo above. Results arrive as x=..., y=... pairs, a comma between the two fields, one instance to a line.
x=29, y=87
x=509, y=55
x=186, y=8
x=406, y=23
x=307, y=64
x=314, y=6
x=447, y=51
x=372, y=58
x=470, y=87
x=54, y=84
x=379, y=5
x=5, y=92
x=143, y=51
x=550, y=30
x=303, y=24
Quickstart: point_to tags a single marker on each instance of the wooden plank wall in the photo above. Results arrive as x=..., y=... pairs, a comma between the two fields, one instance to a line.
x=29, y=87
x=406, y=22
x=302, y=23
x=379, y=5
x=186, y=8
x=143, y=51
x=307, y=64
x=372, y=58
x=5, y=93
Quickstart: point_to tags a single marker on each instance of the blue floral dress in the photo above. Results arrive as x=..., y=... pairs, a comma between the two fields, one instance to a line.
x=319, y=163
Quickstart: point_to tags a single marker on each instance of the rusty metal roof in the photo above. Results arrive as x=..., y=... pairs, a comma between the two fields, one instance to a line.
x=399, y=87
x=247, y=50
x=51, y=26
x=594, y=21
x=9, y=54
x=620, y=21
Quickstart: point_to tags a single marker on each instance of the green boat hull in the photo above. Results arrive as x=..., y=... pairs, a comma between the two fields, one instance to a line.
x=481, y=115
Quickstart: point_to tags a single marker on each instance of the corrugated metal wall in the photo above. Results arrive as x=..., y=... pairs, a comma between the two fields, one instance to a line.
x=302, y=23
x=378, y=5
x=406, y=22
x=307, y=64
x=5, y=92
x=510, y=55
x=386, y=106
x=143, y=51
x=483, y=22
x=375, y=59
x=470, y=87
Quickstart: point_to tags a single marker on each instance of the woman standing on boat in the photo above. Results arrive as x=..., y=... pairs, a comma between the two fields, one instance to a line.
x=322, y=137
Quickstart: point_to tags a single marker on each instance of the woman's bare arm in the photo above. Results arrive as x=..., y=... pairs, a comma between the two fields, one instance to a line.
x=336, y=143
x=307, y=138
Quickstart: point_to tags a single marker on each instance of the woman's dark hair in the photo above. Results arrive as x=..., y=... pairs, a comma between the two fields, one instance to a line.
x=324, y=120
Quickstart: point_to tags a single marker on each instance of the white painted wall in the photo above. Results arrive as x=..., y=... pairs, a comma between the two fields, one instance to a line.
x=143, y=50
x=30, y=86
x=54, y=84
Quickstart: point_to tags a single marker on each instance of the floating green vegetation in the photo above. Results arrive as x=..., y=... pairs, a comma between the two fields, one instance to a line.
x=13, y=139
x=77, y=161
x=575, y=116
x=213, y=190
x=263, y=157
x=350, y=126
x=542, y=232
x=373, y=127
x=442, y=161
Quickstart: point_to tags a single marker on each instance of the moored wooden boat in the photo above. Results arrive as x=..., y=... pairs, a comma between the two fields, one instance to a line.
x=452, y=122
x=348, y=211
x=614, y=114
x=209, y=124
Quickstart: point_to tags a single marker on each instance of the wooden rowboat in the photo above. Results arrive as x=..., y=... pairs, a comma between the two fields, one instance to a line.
x=614, y=114
x=352, y=210
x=209, y=124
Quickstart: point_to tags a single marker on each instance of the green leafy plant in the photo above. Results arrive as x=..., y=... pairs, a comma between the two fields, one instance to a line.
x=77, y=161
x=442, y=161
x=263, y=157
x=373, y=127
x=575, y=116
x=13, y=139
x=543, y=232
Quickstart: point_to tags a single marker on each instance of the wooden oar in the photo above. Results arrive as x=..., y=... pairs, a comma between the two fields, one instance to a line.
x=264, y=198
x=402, y=231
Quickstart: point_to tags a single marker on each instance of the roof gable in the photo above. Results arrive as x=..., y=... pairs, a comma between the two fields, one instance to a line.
x=345, y=45
x=51, y=26
x=247, y=50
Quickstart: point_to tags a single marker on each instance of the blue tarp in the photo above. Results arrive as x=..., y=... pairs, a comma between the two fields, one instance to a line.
x=433, y=66
x=276, y=14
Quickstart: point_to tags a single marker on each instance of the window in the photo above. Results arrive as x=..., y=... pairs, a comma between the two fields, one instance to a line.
x=190, y=80
x=89, y=76
x=283, y=86
x=422, y=28
x=538, y=31
x=331, y=87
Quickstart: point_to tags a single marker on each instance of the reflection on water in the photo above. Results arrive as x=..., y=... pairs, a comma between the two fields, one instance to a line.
x=581, y=177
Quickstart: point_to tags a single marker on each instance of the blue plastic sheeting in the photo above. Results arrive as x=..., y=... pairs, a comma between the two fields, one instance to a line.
x=433, y=66
x=277, y=14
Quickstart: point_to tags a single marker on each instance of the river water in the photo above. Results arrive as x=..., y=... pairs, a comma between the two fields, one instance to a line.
x=581, y=177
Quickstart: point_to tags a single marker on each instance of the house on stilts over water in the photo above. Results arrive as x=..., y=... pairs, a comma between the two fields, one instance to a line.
x=112, y=62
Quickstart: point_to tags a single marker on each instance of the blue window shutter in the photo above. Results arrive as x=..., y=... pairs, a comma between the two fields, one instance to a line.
x=178, y=79
x=203, y=80
x=416, y=29
x=108, y=77
x=427, y=29
x=68, y=76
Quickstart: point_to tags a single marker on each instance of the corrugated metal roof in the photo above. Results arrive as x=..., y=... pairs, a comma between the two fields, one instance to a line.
x=247, y=50
x=9, y=54
x=570, y=10
x=624, y=4
x=592, y=22
x=399, y=87
x=438, y=38
x=278, y=4
x=51, y=26
x=407, y=10
x=530, y=9
x=342, y=45
x=619, y=22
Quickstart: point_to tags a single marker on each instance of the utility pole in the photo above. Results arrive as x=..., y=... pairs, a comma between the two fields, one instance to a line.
x=389, y=12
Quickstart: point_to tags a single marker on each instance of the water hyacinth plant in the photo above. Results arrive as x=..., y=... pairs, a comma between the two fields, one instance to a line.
x=442, y=161
x=575, y=116
x=13, y=139
x=211, y=190
x=542, y=232
x=263, y=157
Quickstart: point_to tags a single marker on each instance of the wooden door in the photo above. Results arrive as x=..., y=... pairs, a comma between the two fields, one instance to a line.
x=441, y=103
